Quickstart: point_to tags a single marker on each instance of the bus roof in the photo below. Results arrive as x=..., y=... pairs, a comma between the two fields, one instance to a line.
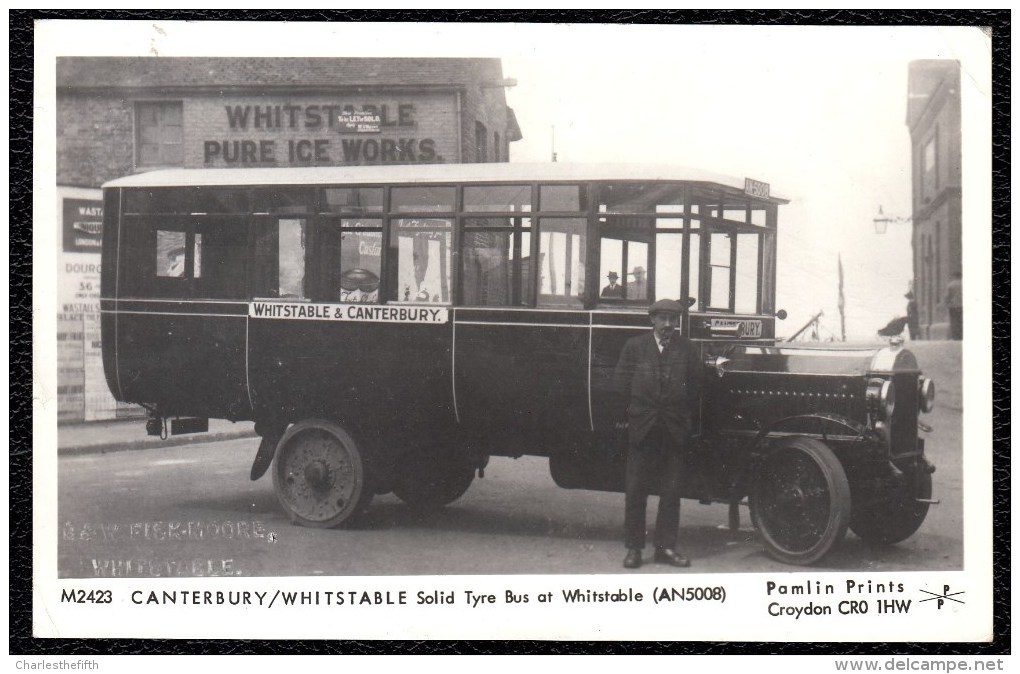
x=428, y=173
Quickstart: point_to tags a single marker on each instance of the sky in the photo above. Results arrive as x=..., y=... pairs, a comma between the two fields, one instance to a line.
x=817, y=112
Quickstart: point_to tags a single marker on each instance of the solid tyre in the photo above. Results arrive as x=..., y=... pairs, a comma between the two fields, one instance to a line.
x=319, y=475
x=433, y=482
x=800, y=501
x=897, y=518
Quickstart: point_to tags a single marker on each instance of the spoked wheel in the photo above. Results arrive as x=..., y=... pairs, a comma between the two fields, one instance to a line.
x=319, y=475
x=897, y=517
x=800, y=503
x=433, y=480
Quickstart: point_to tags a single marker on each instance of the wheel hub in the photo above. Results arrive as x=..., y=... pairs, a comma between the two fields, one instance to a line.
x=317, y=474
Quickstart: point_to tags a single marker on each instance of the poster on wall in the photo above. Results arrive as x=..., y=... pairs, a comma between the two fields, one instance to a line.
x=82, y=392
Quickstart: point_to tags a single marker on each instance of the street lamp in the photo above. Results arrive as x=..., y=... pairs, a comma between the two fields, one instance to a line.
x=882, y=221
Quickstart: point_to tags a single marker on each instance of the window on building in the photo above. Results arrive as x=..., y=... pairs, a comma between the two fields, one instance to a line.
x=481, y=142
x=160, y=138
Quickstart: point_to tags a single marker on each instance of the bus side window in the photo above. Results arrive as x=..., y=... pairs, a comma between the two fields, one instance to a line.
x=170, y=253
x=352, y=259
x=494, y=256
x=280, y=258
x=419, y=258
x=623, y=269
x=561, y=256
x=219, y=258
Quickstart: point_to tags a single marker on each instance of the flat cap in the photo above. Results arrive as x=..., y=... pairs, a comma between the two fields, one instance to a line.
x=666, y=306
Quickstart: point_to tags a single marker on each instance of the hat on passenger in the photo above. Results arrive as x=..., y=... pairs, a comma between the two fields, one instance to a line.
x=666, y=307
x=612, y=274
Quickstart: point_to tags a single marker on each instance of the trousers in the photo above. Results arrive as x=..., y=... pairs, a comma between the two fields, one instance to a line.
x=653, y=465
x=956, y=322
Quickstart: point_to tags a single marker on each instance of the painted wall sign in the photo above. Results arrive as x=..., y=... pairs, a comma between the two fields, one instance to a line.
x=308, y=135
x=371, y=313
x=83, y=225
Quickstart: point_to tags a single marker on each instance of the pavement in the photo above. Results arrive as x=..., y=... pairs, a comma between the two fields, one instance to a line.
x=118, y=435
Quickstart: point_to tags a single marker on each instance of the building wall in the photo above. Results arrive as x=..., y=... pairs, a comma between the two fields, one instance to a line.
x=95, y=141
x=934, y=119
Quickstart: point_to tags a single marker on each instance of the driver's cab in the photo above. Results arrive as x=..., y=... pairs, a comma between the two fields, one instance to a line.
x=710, y=243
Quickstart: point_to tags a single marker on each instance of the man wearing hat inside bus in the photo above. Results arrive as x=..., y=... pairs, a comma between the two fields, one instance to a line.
x=613, y=289
x=658, y=377
x=638, y=288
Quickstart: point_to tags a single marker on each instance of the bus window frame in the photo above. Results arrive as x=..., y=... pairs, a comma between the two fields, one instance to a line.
x=702, y=207
x=389, y=290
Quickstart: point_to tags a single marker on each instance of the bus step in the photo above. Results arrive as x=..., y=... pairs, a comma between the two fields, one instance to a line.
x=188, y=425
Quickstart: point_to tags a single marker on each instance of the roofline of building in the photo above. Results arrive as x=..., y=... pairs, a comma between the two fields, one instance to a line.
x=260, y=90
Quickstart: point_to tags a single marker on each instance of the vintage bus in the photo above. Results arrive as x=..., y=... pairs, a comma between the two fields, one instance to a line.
x=390, y=328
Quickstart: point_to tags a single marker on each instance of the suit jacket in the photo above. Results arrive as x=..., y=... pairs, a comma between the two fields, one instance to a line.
x=659, y=388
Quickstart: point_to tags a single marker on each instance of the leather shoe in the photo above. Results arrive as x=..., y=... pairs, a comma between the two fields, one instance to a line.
x=633, y=559
x=671, y=557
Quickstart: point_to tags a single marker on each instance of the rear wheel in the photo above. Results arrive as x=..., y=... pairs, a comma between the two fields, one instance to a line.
x=319, y=475
x=897, y=517
x=800, y=501
x=428, y=480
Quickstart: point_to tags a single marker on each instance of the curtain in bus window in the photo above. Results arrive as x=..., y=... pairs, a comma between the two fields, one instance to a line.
x=420, y=252
x=747, y=274
x=292, y=258
x=279, y=268
x=561, y=252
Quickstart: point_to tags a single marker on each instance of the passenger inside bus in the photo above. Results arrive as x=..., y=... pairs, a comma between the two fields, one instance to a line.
x=613, y=289
x=638, y=288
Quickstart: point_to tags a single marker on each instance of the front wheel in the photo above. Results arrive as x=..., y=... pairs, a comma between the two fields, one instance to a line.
x=897, y=517
x=800, y=501
x=319, y=475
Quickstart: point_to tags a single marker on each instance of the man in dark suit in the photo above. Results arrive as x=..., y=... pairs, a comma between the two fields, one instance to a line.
x=658, y=376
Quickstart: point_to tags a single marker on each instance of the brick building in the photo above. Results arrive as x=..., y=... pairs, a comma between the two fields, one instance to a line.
x=117, y=116
x=933, y=117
